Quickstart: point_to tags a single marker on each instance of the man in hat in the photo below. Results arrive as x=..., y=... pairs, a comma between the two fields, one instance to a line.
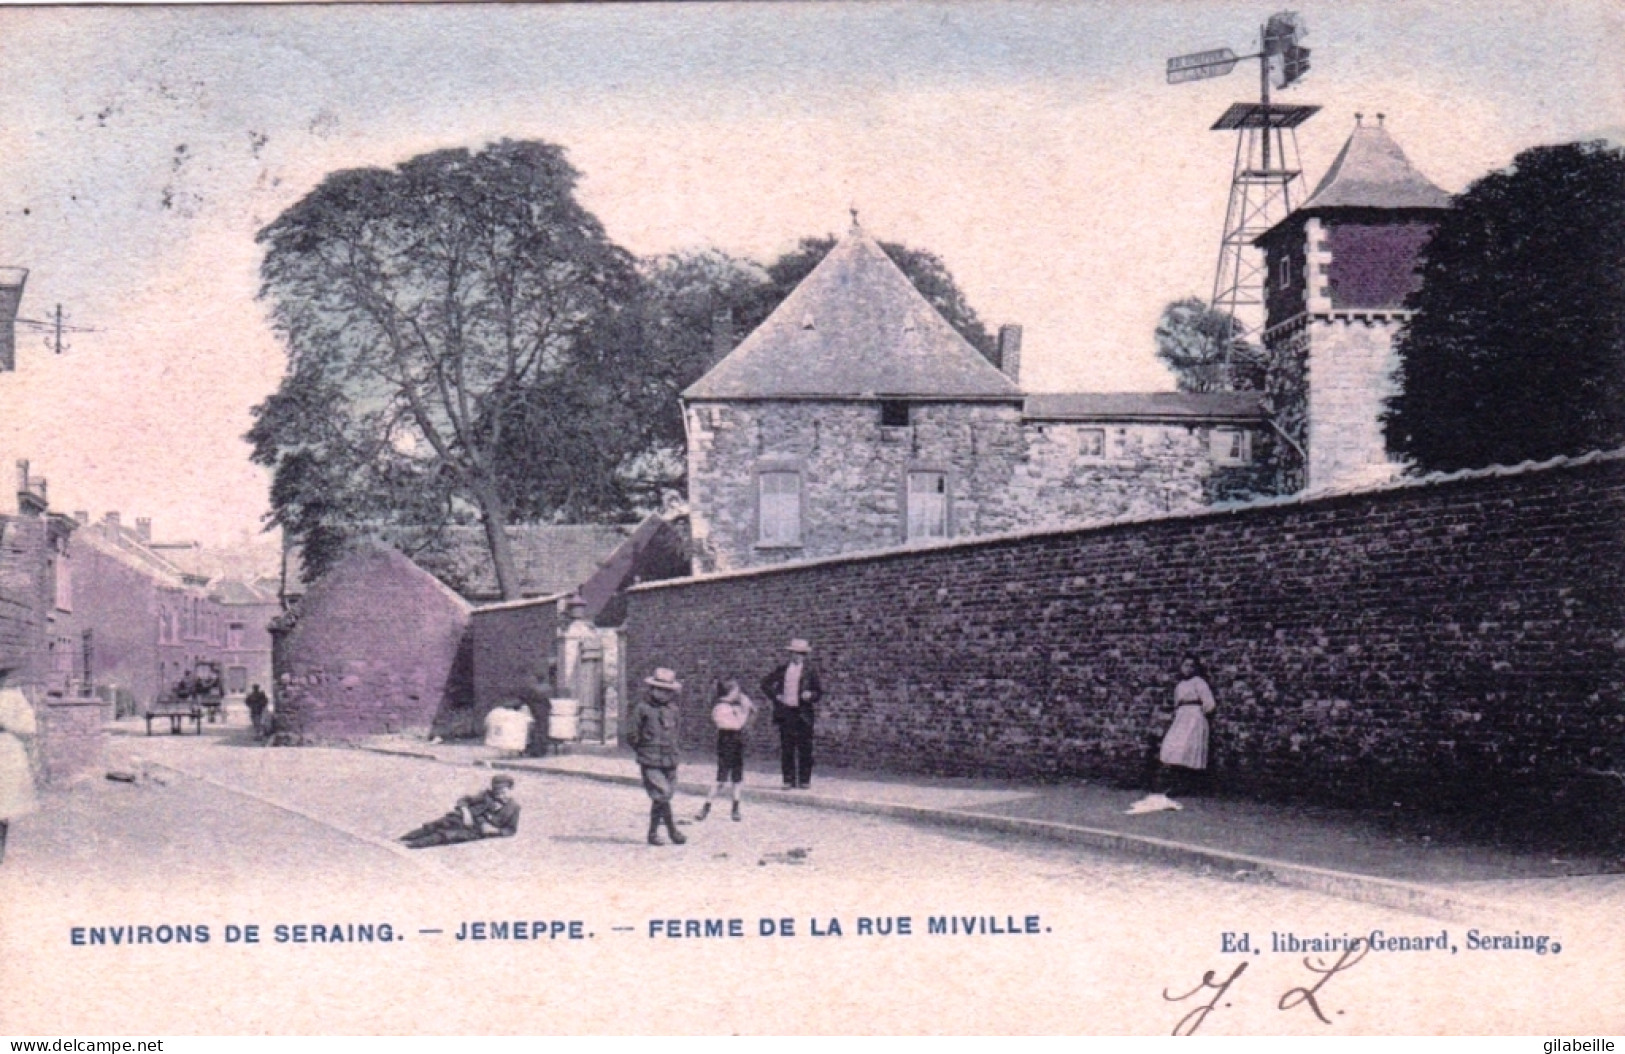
x=493, y=814
x=653, y=735
x=793, y=686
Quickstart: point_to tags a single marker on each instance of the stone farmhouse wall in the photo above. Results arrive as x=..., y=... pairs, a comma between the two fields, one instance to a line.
x=1458, y=640
x=1004, y=473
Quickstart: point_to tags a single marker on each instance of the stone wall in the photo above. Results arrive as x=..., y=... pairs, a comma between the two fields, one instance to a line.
x=376, y=645
x=1004, y=473
x=1351, y=375
x=1452, y=642
x=71, y=740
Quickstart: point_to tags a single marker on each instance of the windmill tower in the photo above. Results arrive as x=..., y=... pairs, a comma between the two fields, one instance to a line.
x=1266, y=180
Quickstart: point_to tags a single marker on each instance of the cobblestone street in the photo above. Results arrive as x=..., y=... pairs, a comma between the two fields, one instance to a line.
x=218, y=833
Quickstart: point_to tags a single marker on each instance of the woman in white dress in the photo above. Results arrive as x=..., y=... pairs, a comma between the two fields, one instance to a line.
x=16, y=778
x=1184, y=748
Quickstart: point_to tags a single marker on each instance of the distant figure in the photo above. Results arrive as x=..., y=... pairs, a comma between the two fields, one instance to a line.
x=258, y=703
x=493, y=814
x=1184, y=751
x=507, y=728
x=16, y=778
x=794, y=689
x=731, y=714
x=653, y=735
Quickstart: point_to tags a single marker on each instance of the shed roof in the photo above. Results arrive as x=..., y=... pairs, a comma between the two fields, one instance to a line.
x=854, y=328
x=1146, y=406
x=550, y=558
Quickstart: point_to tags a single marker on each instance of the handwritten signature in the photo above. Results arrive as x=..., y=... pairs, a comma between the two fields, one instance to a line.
x=1291, y=999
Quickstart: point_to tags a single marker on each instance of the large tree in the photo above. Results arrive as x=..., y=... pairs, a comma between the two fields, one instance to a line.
x=1516, y=348
x=1204, y=348
x=456, y=336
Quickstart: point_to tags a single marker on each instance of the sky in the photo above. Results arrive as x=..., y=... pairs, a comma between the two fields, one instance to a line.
x=1033, y=146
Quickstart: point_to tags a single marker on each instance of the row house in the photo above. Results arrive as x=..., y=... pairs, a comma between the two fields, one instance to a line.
x=150, y=621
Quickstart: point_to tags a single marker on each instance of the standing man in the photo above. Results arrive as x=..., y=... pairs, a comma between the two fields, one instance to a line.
x=653, y=736
x=793, y=686
x=257, y=703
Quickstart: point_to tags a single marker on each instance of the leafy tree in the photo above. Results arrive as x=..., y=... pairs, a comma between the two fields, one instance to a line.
x=1516, y=349
x=451, y=332
x=1203, y=347
x=924, y=269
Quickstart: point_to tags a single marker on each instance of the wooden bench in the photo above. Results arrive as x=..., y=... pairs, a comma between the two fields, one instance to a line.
x=177, y=716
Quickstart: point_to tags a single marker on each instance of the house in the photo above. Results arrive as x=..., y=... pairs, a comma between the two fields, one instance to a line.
x=377, y=644
x=855, y=417
x=148, y=621
x=1339, y=269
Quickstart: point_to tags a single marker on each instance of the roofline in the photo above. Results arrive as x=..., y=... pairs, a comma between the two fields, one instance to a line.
x=868, y=397
x=1253, y=417
x=1304, y=212
x=523, y=602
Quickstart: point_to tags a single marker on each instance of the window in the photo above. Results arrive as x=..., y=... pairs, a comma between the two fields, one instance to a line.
x=1231, y=446
x=927, y=505
x=1092, y=442
x=1284, y=274
x=778, y=503
x=234, y=636
x=894, y=414
x=64, y=582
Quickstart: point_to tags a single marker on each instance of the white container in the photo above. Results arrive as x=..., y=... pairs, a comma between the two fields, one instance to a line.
x=563, y=719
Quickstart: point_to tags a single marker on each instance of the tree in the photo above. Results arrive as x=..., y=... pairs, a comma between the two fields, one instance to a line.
x=924, y=269
x=1203, y=347
x=1516, y=348
x=454, y=329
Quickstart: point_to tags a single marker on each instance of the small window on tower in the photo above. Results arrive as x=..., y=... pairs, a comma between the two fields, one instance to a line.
x=1284, y=277
x=894, y=413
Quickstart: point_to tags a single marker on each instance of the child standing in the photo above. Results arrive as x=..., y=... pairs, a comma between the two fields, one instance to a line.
x=731, y=714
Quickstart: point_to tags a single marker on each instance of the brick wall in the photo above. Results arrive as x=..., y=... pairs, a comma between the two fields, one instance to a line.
x=378, y=645
x=25, y=592
x=1457, y=641
x=1374, y=264
x=513, y=649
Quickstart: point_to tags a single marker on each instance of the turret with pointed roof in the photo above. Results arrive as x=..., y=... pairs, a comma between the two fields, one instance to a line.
x=1339, y=269
x=855, y=328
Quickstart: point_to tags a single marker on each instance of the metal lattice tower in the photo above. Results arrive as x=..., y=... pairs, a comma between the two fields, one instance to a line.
x=1265, y=185
x=1266, y=182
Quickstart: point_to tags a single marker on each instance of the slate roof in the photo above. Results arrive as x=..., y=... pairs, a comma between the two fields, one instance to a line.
x=855, y=328
x=1372, y=172
x=235, y=592
x=550, y=558
x=1146, y=406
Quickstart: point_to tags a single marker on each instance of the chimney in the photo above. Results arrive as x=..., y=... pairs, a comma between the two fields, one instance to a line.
x=81, y=517
x=22, y=476
x=110, y=525
x=722, y=334
x=12, y=280
x=1010, y=352
x=143, y=529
